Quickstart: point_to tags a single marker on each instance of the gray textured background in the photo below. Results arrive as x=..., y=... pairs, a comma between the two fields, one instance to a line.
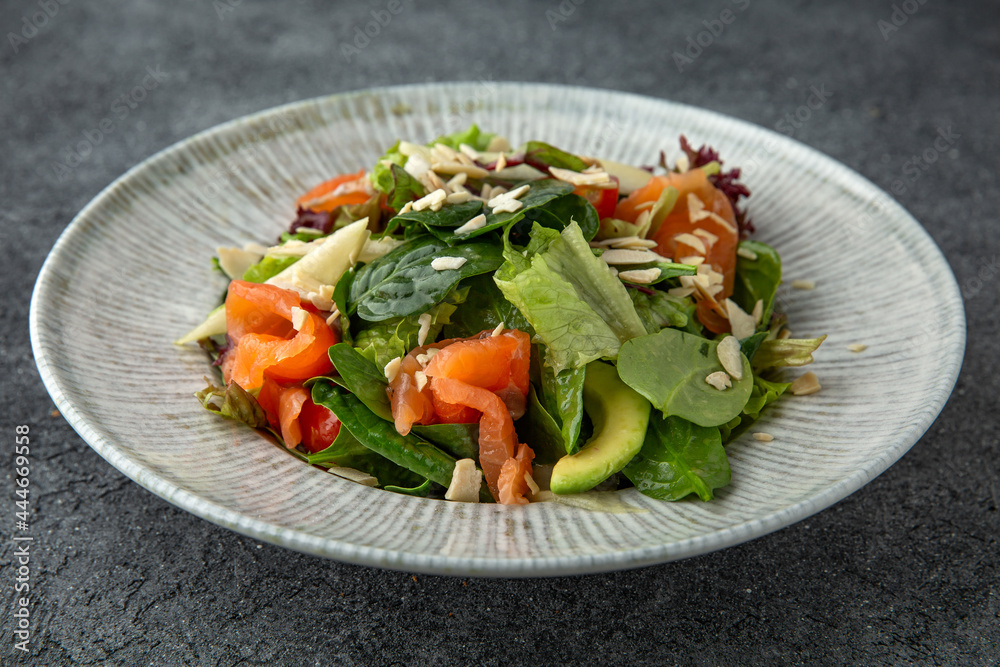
x=905, y=571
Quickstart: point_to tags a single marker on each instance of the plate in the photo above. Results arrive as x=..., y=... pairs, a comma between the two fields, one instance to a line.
x=132, y=273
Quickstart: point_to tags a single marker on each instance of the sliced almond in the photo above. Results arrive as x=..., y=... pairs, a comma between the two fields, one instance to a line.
x=763, y=437
x=857, y=347
x=728, y=351
x=741, y=324
x=466, y=480
x=391, y=369
x=720, y=380
x=640, y=276
x=804, y=284
x=691, y=241
x=805, y=384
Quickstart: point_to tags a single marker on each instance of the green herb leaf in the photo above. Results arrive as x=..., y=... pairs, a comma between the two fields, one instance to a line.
x=679, y=458
x=380, y=436
x=757, y=279
x=786, y=352
x=232, y=402
x=459, y=440
x=346, y=451
x=669, y=368
x=540, y=155
x=362, y=378
x=472, y=136
x=403, y=282
x=267, y=268
x=659, y=310
x=398, y=186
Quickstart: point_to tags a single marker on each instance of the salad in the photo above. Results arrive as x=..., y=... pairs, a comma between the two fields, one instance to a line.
x=478, y=323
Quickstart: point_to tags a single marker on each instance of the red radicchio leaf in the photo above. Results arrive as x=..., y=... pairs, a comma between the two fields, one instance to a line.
x=725, y=181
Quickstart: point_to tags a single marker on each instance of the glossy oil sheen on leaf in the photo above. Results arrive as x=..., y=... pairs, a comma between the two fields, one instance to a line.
x=669, y=368
x=404, y=282
x=679, y=458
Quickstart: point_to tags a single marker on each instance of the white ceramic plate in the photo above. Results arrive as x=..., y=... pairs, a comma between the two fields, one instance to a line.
x=132, y=272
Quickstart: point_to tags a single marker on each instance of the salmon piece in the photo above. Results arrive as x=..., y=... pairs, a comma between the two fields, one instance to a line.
x=289, y=408
x=497, y=363
x=497, y=439
x=344, y=190
x=513, y=485
x=410, y=405
x=721, y=223
x=259, y=320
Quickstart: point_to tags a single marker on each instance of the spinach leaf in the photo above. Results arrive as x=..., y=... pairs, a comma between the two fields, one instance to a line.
x=403, y=282
x=362, y=378
x=450, y=215
x=786, y=352
x=557, y=213
x=380, y=436
x=576, y=306
x=541, y=155
x=679, y=458
x=540, y=429
x=764, y=393
x=267, y=268
x=669, y=368
x=341, y=293
x=347, y=452
x=459, y=440
x=659, y=310
x=384, y=341
x=541, y=193
x=757, y=279
x=397, y=184
x=484, y=308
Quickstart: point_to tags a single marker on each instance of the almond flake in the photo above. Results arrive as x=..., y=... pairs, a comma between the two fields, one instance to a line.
x=459, y=197
x=447, y=263
x=693, y=261
x=696, y=208
x=857, y=347
x=333, y=316
x=437, y=197
x=741, y=324
x=720, y=380
x=424, y=358
x=706, y=236
x=680, y=292
x=530, y=481
x=407, y=207
x=392, y=368
x=472, y=225
x=805, y=384
x=353, y=475
x=421, y=379
x=728, y=351
x=691, y=241
x=497, y=331
x=451, y=168
x=633, y=243
x=425, y=327
x=640, y=276
x=683, y=164
x=804, y=284
x=457, y=181
x=758, y=312
x=763, y=437
x=579, y=178
x=299, y=318
x=626, y=256
x=746, y=253
x=466, y=480
x=501, y=162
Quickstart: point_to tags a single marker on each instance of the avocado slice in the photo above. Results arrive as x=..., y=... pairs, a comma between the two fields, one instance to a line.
x=620, y=416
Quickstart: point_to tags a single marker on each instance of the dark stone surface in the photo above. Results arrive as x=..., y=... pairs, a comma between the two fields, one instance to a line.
x=904, y=571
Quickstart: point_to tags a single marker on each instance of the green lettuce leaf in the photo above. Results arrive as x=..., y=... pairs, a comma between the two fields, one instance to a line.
x=577, y=307
x=267, y=268
x=472, y=136
x=679, y=458
x=233, y=402
x=659, y=310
